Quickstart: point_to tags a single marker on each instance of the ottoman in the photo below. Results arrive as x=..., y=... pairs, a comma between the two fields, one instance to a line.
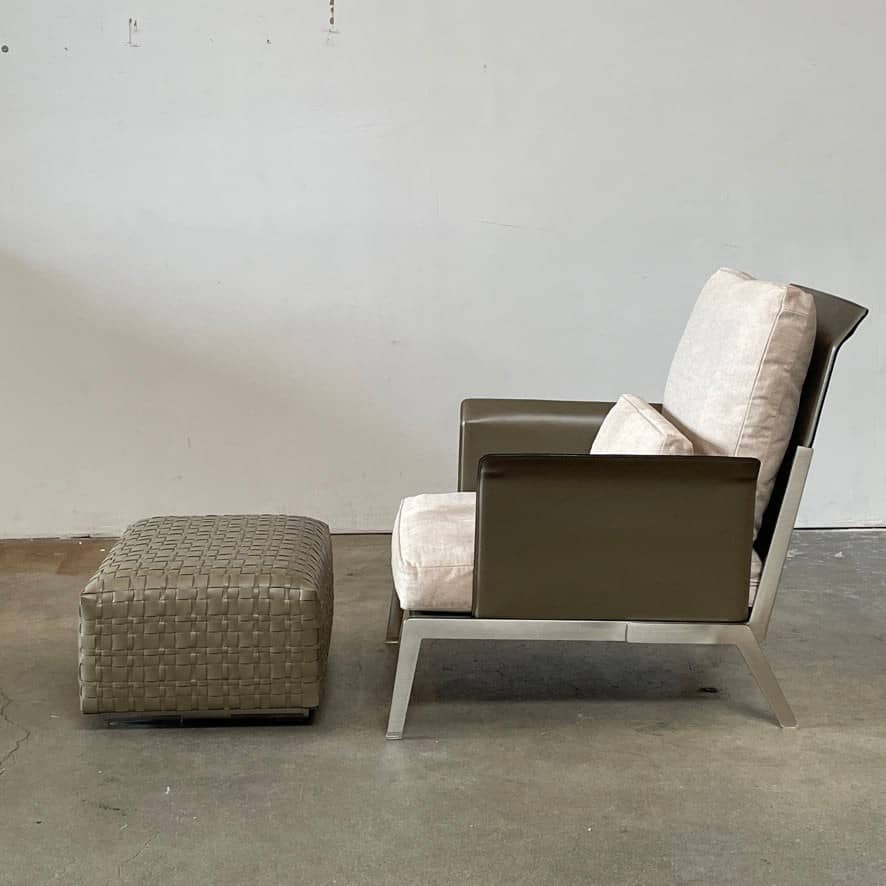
x=211, y=616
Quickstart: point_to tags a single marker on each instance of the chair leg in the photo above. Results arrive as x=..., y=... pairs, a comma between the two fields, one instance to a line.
x=395, y=618
x=759, y=666
x=410, y=643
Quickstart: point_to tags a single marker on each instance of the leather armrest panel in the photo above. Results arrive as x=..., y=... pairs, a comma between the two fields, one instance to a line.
x=501, y=426
x=614, y=537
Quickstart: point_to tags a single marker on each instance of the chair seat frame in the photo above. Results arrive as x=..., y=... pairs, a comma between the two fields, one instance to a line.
x=748, y=637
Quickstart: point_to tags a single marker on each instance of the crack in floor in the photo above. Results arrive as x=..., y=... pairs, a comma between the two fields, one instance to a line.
x=137, y=854
x=7, y=701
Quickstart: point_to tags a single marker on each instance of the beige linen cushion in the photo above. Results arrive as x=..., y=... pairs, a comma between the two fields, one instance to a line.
x=432, y=552
x=734, y=385
x=633, y=427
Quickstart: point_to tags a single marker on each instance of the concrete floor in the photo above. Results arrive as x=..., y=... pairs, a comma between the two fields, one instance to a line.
x=524, y=763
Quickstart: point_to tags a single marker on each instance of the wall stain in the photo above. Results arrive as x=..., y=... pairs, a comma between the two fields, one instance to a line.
x=133, y=30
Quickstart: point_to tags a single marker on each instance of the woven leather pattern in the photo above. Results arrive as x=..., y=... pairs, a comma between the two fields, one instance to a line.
x=219, y=613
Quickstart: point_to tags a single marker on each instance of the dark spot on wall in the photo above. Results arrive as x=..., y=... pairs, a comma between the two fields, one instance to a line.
x=4, y=48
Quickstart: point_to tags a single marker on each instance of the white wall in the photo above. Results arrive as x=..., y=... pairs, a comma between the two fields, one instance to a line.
x=251, y=266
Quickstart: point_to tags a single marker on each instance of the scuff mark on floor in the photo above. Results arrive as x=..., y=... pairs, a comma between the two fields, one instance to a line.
x=7, y=701
x=105, y=807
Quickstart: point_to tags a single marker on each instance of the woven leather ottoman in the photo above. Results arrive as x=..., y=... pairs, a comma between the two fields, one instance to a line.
x=210, y=616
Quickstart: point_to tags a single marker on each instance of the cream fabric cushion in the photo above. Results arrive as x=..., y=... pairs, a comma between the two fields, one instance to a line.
x=734, y=385
x=432, y=552
x=633, y=427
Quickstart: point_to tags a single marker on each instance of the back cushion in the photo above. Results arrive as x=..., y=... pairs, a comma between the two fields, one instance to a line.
x=734, y=386
x=633, y=427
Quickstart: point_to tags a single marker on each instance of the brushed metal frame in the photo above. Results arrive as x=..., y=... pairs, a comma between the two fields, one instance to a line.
x=747, y=636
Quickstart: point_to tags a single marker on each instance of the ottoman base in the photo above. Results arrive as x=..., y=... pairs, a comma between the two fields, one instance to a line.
x=210, y=617
x=291, y=716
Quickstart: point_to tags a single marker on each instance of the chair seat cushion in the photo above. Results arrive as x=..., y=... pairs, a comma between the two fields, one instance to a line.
x=633, y=427
x=432, y=553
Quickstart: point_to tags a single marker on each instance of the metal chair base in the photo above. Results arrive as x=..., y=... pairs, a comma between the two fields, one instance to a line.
x=417, y=627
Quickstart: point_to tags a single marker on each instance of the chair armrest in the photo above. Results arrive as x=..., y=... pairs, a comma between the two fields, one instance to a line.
x=614, y=537
x=499, y=426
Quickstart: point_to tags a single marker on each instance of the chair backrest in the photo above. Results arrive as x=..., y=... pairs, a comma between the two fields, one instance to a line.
x=734, y=384
x=836, y=320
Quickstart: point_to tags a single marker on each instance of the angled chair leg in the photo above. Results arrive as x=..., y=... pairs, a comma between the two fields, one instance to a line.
x=395, y=618
x=759, y=666
x=410, y=643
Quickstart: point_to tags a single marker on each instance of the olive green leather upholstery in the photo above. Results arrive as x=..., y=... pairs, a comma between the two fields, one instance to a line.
x=208, y=616
x=658, y=538
x=502, y=426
